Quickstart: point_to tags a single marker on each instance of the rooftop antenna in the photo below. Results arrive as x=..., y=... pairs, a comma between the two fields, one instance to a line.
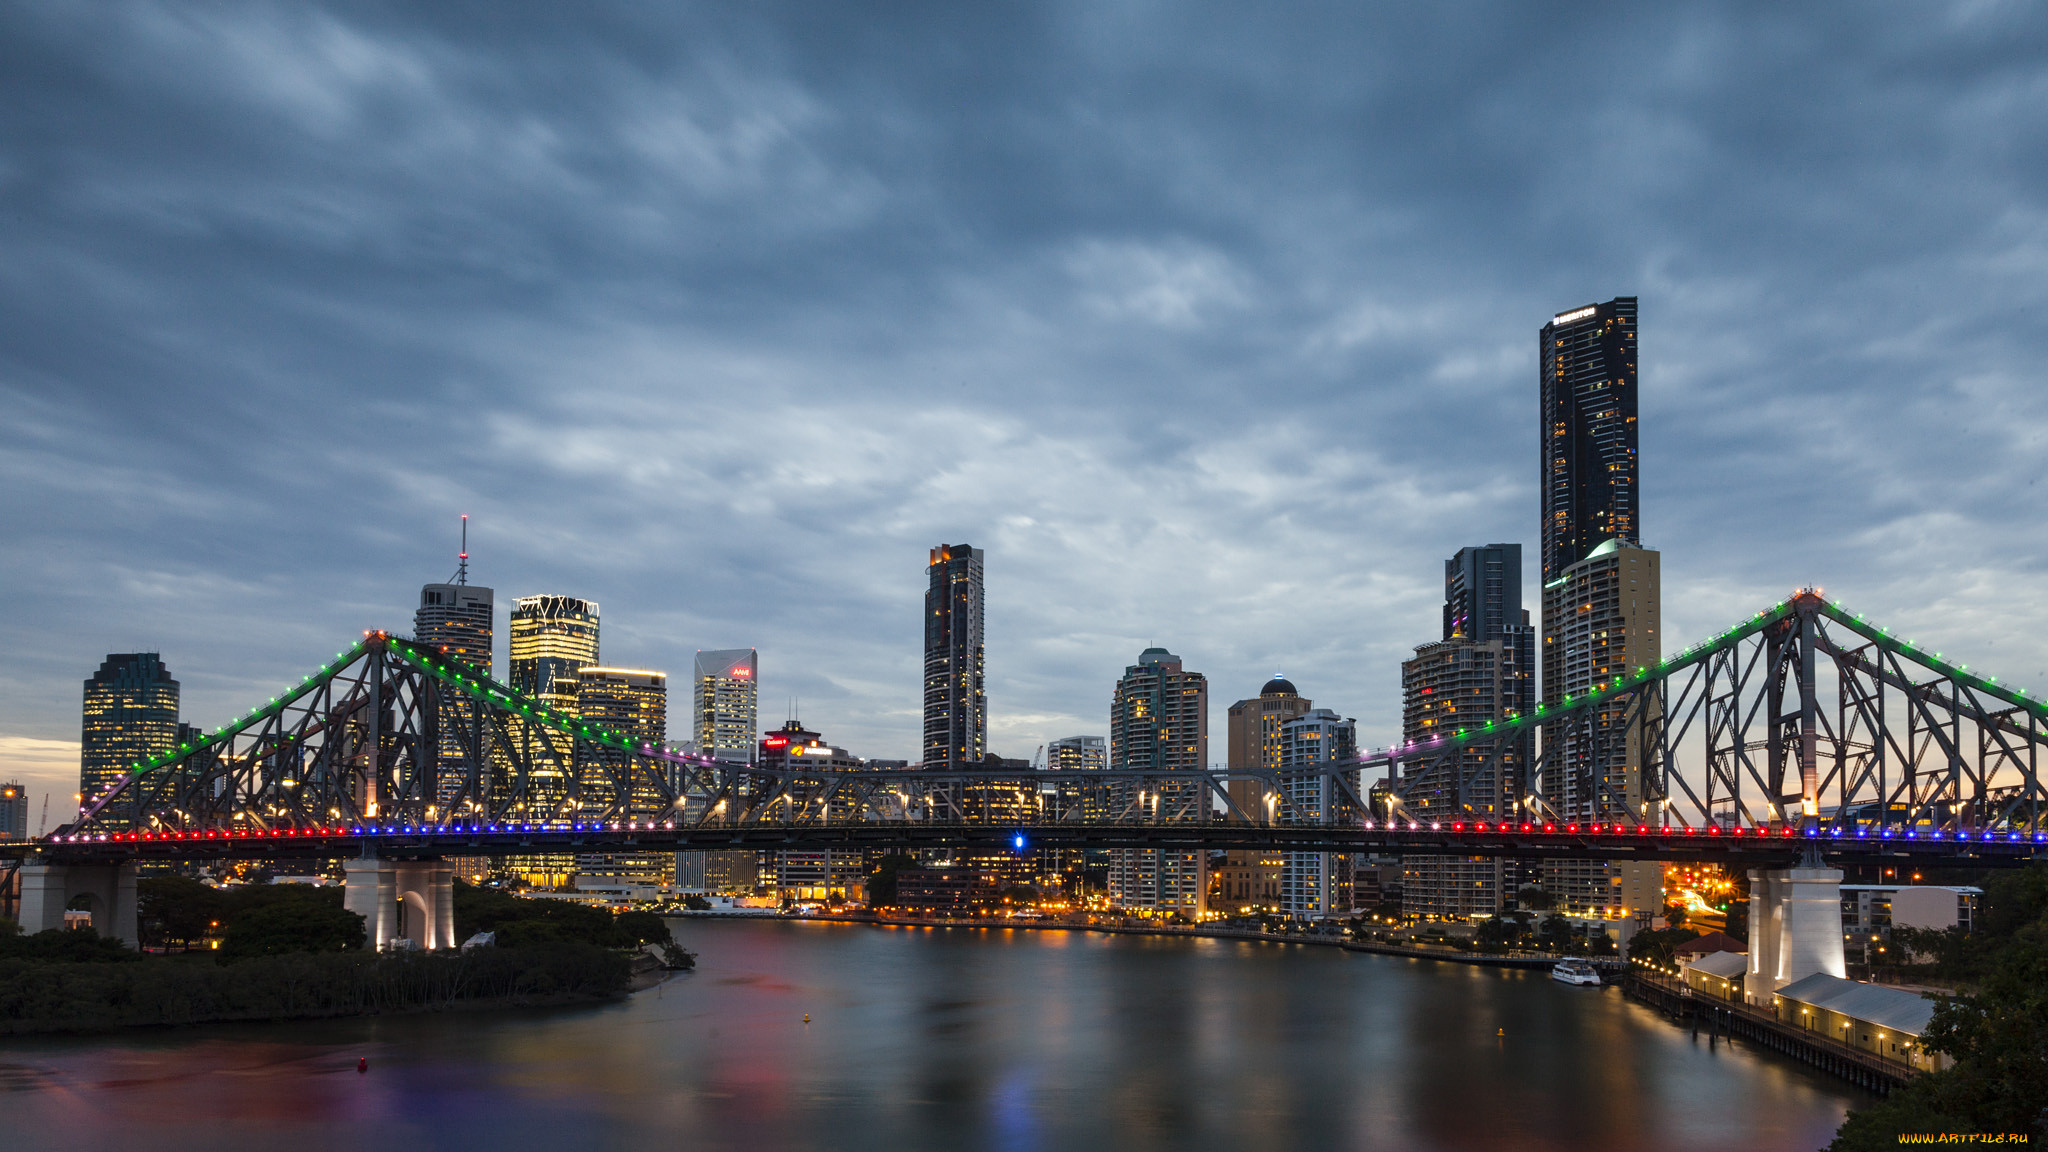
x=462, y=557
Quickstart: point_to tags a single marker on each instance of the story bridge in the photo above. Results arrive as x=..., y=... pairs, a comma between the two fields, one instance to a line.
x=1801, y=734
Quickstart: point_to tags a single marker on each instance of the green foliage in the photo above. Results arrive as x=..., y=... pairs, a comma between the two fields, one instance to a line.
x=1998, y=1036
x=519, y=921
x=1554, y=932
x=882, y=880
x=176, y=911
x=65, y=946
x=8, y=928
x=1499, y=932
x=696, y=903
x=1660, y=946
x=1535, y=899
x=312, y=922
x=46, y=997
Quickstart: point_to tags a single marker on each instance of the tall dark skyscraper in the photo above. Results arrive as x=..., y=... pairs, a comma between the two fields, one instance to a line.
x=1589, y=491
x=131, y=714
x=955, y=698
x=1601, y=593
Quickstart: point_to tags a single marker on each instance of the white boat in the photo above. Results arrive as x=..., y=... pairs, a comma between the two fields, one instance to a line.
x=1573, y=970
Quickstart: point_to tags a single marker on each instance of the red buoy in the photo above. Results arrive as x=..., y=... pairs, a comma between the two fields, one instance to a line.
x=362, y=1063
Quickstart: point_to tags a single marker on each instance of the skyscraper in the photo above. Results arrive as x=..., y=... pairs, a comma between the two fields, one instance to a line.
x=1159, y=718
x=1601, y=592
x=1249, y=880
x=1589, y=483
x=632, y=702
x=131, y=714
x=955, y=697
x=457, y=618
x=1482, y=669
x=553, y=638
x=726, y=704
x=1317, y=885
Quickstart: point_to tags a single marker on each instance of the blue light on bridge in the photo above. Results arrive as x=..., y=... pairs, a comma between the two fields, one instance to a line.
x=1017, y=841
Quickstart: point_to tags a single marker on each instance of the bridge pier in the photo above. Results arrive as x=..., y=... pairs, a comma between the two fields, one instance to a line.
x=48, y=889
x=402, y=900
x=1795, y=928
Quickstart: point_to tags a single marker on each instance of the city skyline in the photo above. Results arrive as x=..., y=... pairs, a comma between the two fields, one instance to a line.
x=733, y=357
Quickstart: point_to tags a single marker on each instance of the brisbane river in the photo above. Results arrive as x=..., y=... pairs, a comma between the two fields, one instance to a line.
x=950, y=1039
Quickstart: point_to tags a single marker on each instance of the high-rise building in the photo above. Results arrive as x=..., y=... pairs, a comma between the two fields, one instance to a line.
x=1482, y=670
x=1601, y=619
x=1159, y=718
x=955, y=695
x=553, y=638
x=819, y=873
x=726, y=704
x=1064, y=795
x=1317, y=885
x=457, y=619
x=1589, y=484
x=1600, y=593
x=1249, y=881
x=131, y=714
x=632, y=702
x=13, y=812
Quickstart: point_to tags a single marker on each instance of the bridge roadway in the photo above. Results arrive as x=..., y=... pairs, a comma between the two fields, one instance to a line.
x=1749, y=846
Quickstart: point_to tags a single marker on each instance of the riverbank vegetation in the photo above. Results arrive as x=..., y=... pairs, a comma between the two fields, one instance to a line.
x=42, y=995
x=292, y=951
x=1997, y=1031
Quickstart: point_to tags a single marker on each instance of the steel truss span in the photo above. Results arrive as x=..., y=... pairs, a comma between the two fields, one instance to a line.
x=1800, y=727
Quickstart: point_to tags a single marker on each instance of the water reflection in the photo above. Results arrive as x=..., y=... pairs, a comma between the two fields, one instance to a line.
x=938, y=1039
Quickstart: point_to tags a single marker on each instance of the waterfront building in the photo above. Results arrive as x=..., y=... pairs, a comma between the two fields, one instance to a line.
x=130, y=715
x=632, y=702
x=726, y=705
x=1250, y=880
x=1159, y=719
x=955, y=695
x=1871, y=911
x=13, y=812
x=1885, y=1021
x=1602, y=622
x=1482, y=670
x=1065, y=794
x=822, y=873
x=1077, y=754
x=1317, y=885
x=1600, y=593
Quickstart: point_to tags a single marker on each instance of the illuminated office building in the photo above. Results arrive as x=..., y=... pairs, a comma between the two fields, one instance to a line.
x=131, y=714
x=1317, y=885
x=1159, y=718
x=955, y=696
x=1482, y=670
x=1601, y=592
x=820, y=873
x=726, y=703
x=553, y=638
x=632, y=702
x=457, y=619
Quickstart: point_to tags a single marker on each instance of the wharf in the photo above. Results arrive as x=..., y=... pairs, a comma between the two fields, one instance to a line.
x=1722, y=1018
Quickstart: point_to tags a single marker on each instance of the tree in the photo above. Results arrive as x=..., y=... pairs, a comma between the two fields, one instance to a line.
x=278, y=927
x=175, y=911
x=1498, y=932
x=882, y=880
x=1659, y=947
x=1554, y=933
x=1534, y=899
x=1998, y=1036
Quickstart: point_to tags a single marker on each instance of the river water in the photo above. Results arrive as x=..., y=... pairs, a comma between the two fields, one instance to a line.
x=951, y=1039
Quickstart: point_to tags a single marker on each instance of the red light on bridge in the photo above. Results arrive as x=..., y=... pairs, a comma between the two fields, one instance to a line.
x=1738, y=831
x=1713, y=829
x=1525, y=828
x=1550, y=827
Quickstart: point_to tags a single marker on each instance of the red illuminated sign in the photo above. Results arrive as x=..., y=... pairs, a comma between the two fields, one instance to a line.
x=742, y=673
x=776, y=741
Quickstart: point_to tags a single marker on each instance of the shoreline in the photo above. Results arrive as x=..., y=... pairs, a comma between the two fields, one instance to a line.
x=1413, y=952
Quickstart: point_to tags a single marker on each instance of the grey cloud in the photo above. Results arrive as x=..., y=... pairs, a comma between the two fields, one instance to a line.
x=1216, y=327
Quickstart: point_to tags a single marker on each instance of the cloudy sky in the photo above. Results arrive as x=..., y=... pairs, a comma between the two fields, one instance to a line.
x=1214, y=325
